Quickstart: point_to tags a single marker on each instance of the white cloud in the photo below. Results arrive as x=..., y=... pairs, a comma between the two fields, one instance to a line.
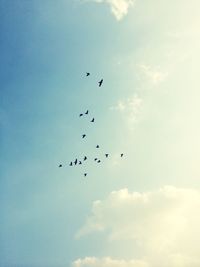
x=107, y=262
x=131, y=107
x=119, y=8
x=153, y=74
x=163, y=224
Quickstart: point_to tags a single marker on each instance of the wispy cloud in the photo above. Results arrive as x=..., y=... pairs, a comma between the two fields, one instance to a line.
x=119, y=8
x=162, y=224
x=154, y=75
x=130, y=107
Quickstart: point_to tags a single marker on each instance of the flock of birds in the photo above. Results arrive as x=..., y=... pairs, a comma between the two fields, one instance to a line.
x=80, y=162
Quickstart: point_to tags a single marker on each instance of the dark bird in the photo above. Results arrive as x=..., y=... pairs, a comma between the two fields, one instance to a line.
x=85, y=174
x=83, y=135
x=92, y=120
x=81, y=115
x=60, y=166
x=70, y=163
x=87, y=73
x=98, y=161
x=106, y=155
x=80, y=162
x=95, y=159
x=76, y=161
x=122, y=155
x=100, y=82
x=86, y=112
x=97, y=146
x=85, y=158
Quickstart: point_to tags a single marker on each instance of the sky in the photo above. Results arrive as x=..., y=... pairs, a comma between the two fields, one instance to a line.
x=141, y=210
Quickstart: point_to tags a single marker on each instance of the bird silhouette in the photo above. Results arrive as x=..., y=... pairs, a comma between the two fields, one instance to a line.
x=85, y=174
x=95, y=159
x=86, y=112
x=122, y=155
x=106, y=155
x=98, y=161
x=100, y=82
x=60, y=166
x=76, y=161
x=80, y=162
x=81, y=115
x=83, y=135
x=87, y=73
x=85, y=158
x=92, y=120
x=71, y=163
x=97, y=146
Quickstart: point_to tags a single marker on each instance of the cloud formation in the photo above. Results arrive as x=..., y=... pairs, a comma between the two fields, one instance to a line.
x=162, y=224
x=119, y=8
x=153, y=75
x=107, y=262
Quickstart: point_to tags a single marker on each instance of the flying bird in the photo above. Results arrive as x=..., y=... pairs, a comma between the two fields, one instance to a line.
x=106, y=155
x=85, y=158
x=80, y=162
x=98, y=161
x=83, y=135
x=86, y=112
x=122, y=155
x=71, y=163
x=100, y=82
x=81, y=115
x=92, y=120
x=60, y=166
x=76, y=161
x=87, y=73
x=85, y=174
x=97, y=146
x=95, y=159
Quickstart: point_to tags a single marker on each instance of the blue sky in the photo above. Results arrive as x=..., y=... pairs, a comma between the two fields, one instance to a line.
x=148, y=55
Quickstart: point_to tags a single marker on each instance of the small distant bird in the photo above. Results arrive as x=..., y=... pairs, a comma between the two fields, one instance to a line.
x=106, y=155
x=76, y=161
x=80, y=162
x=81, y=115
x=83, y=135
x=60, y=166
x=98, y=161
x=85, y=174
x=95, y=159
x=86, y=112
x=97, y=146
x=100, y=82
x=87, y=73
x=122, y=155
x=70, y=163
x=92, y=120
x=85, y=158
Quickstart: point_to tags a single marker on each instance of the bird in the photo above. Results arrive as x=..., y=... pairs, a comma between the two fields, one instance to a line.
x=100, y=82
x=95, y=159
x=122, y=155
x=71, y=163
x=85, y=174
x=98, y=161
x=81, y=115
x=75, y=162
x=106, y=155
x=80, y=162
x=92, y=120
x=60, y=166
x=86, y=112
x=85, y=158
x=83, y=135
x=87, y=73
x=97, y=146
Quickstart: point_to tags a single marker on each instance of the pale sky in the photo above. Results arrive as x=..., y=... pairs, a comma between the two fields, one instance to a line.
x=137, y=211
